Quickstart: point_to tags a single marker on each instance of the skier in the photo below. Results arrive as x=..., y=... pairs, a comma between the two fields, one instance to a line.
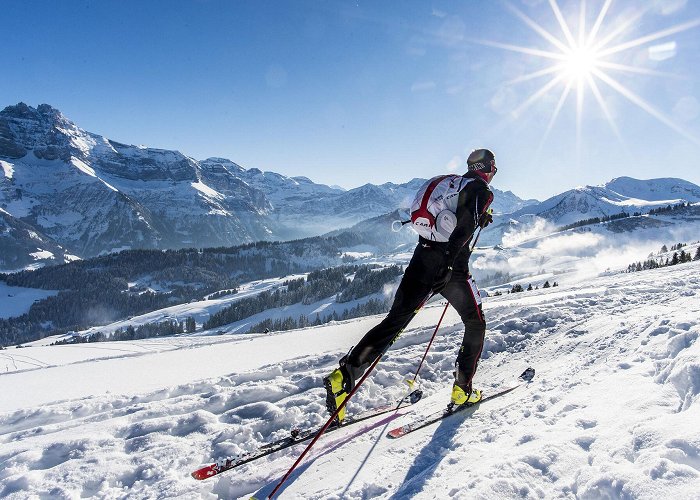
x=440, y=264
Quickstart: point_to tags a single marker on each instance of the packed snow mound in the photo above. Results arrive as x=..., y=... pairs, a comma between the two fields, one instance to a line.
x=611, y=413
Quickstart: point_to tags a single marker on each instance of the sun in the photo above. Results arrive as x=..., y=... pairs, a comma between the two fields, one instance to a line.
x=583, y=61
x=580, y=63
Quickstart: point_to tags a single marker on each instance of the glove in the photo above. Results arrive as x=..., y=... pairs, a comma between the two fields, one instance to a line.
x=485, y=219
x=442, y=279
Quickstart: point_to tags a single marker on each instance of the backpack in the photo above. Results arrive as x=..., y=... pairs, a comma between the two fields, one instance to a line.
x=433, y=211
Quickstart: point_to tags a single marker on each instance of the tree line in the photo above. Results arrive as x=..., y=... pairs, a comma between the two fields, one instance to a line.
x=114, y=287
x=625, y=215
x=145, y=331
x=317, y=285
x=655, y=262
x=372, y=306
x=517, y=288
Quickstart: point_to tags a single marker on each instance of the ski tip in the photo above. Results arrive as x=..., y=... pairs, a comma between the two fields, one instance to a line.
x=203, y=473
x=395, y=433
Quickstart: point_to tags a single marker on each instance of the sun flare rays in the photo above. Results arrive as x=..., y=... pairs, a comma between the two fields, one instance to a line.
x=581, y=61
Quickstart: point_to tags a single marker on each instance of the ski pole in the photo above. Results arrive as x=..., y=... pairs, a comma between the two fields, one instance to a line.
x=342, y=405
x=425, y=354
x=489, y=211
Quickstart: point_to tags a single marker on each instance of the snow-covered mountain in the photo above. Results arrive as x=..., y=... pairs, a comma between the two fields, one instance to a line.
x=92, y=195
x=622, y=194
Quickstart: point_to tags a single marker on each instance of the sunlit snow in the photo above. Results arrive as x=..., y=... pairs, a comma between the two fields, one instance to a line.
x=612, y=411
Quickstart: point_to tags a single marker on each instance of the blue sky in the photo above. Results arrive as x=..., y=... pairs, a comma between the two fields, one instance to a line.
x=371, y=91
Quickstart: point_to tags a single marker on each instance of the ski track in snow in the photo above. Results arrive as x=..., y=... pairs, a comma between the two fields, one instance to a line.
x=611, y=413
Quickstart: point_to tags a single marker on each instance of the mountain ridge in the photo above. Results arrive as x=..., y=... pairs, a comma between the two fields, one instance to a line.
x=91, y=195
x=88, y=195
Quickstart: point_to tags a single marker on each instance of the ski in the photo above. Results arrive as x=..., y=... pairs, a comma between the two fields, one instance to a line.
x=296, y=436
x=422, y=422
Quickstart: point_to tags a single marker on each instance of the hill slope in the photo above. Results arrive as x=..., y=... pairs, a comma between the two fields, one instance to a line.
x=612, y=412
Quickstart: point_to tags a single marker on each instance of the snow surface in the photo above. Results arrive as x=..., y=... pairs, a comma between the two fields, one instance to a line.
x=611, y=413
x=8, y=169
x=15, y=300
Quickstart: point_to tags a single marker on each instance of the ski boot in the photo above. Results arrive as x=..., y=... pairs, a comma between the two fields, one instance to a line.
x=460, y=397
x=337, y=389
x=338, y=385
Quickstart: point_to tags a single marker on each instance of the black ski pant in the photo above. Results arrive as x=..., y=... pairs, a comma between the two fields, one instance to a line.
x=415, y=286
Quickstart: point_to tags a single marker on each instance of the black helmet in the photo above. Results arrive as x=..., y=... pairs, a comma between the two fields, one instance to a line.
x=482, y=160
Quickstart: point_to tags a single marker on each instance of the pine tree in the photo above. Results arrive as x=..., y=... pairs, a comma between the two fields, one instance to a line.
x=697, y=254
x=529, y=287
x=190, y=325
x=546, y=284
x=674, y=259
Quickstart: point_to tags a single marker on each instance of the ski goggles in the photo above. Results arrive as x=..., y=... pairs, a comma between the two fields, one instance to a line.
x=487, y=168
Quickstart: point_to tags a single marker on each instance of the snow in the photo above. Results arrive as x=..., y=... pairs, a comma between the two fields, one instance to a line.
x=611, y=413
x=65, y=218
x=42, y=254
x=83, y=167
x=8, y=169
x=15, y=301
x=207, y=191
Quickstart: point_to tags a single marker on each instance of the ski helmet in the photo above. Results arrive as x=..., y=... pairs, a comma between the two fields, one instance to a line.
x=482, y=160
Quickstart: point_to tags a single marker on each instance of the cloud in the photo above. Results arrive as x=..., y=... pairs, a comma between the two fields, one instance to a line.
x=662, y=51
x=452, y=31
x=574, y=256
x=572, y=244
x=422, y=86
x=416, y=46
x=454, y=164
x=524, y=232
x=667, y=7
x=504, y=101
x=686, y=109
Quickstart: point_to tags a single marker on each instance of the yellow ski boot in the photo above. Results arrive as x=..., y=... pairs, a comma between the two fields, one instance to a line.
x=337, y=388
x=462, y=398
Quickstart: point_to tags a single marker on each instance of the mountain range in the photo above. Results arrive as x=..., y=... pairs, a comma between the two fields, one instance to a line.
x=66, y=193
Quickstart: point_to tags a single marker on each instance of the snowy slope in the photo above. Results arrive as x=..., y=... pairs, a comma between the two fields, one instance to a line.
x=577, y=254
x=16, y=300
x=621, y=194
x=612, y=412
